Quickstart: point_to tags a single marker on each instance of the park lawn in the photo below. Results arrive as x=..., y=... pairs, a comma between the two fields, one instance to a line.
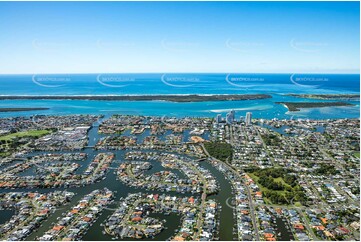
x=255, y=178
x=267, y=201
x=298, y=204
x=280, y=179
x=263, y=189
x=30, y=133
x=357, y=154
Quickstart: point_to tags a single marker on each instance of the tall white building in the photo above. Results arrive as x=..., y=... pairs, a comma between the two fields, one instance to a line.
x=233, y=114
x=219, y=118
x=248, y=118
x=229, y=118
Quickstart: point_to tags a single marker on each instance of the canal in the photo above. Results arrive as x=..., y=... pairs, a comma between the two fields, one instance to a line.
x=172, y=222
x=227, y=220
x=283, y=229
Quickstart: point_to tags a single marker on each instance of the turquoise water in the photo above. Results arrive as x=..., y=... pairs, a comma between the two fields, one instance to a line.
x=149, y=84
x=275, y=85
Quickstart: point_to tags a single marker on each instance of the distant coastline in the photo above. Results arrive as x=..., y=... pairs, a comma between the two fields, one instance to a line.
x=328, y=96
x=295, y=106
x=21, y=109
x=170, y=98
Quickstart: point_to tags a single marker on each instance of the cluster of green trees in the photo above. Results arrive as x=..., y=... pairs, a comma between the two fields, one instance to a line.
x=276, y=197
x=15, y=139
x=5, y=141
x=286, y=197
x=268, y=175
x=271, y=139
x=278, y=191
x=326, y=169
x=269, y=183
x=355, y=190
x=219, y=150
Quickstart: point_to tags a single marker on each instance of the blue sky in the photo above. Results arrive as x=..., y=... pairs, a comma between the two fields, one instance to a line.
x=255, y=37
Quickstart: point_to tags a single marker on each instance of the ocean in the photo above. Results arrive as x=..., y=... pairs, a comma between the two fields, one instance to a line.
x=277, y=85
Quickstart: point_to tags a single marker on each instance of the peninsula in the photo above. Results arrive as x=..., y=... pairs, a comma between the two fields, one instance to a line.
x=170, y=98
x=328, y=96
x=295, y=106
x=21, y=109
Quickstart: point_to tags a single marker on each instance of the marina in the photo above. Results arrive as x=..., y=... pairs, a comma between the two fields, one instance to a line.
x=120, y=190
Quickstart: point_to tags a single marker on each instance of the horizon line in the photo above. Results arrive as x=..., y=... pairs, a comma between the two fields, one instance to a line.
x=223, y=73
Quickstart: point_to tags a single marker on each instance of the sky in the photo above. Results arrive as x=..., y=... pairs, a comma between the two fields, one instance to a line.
x=163, y=37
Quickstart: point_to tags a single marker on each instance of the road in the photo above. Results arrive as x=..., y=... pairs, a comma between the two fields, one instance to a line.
x=302, y=216
x=252, y=210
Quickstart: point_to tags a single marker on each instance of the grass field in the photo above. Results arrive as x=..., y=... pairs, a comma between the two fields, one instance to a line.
x=265, y=189
x=30, y=133
x=357, y=154
x=7, y=141
x=262, y=188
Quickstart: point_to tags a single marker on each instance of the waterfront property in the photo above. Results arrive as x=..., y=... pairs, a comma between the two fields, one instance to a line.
x=32, y=209
x=80, y=218
x=288, y=179
x=132, y=218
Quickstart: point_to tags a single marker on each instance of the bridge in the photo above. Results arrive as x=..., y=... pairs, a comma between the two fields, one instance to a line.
x=201, y=159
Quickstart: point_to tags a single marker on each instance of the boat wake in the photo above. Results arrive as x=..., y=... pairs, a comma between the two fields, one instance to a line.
x=253, y=108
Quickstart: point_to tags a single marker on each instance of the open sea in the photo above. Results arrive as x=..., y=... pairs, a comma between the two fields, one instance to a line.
x=277, y=85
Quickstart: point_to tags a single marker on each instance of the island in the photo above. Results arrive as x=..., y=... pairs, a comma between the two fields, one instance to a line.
x=21, y=109
x=328, y=96
x=295, y=106
x=170, y=98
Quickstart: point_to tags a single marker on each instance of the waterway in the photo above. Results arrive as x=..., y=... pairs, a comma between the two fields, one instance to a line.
x=5, y=215
x=283, y=229
x=227, y=220
x=121, y=190
x=276, y=85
